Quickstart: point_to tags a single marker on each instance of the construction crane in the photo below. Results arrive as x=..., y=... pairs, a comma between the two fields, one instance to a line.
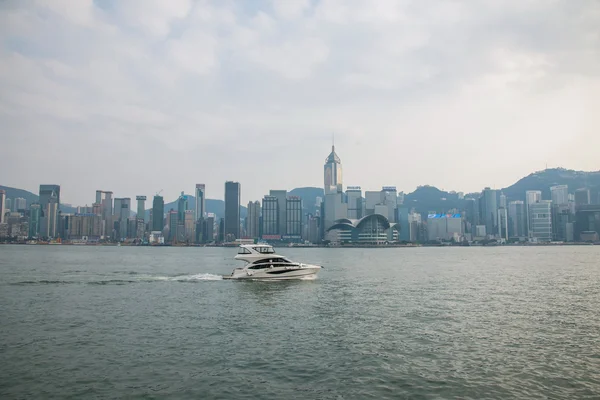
x=159, y=192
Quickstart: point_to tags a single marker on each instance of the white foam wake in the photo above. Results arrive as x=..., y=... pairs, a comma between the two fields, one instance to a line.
x=198, y=277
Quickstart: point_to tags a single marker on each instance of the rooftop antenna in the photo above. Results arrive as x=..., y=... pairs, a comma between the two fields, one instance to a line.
x=332, y=141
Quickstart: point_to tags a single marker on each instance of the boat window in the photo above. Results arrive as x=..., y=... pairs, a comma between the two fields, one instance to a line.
x=243, y=250
x=264, y=250
x=259, y=266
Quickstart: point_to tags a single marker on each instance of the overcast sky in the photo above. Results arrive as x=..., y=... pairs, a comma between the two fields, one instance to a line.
x=136, y=96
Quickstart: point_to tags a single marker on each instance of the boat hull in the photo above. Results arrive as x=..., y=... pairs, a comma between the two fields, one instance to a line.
x=276, y=274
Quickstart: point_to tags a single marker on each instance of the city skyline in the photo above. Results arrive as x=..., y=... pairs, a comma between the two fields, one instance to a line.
x=256, y=88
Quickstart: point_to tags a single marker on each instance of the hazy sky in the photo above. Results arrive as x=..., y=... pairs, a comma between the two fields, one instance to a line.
x=136, y=96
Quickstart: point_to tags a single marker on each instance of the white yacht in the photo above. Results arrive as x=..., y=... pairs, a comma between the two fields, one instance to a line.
x=263, y=264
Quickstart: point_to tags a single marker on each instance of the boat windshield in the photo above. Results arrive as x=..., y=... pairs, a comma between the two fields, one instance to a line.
x=243, y=250
x=264, y=249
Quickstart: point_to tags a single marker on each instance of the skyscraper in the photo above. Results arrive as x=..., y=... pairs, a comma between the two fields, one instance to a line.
x=281, y=196
x=270, y=216
x=200, y=201
x=158, y=213
x=502, y=223
x=182, y=207
x=472, y=212
x=20, y=204
x=141, y=207
x=531, y=197
x=2, y=205
x=582, y=197
x=294, y=217
x=560, y=194
x=253, y=219
x=335, y=208
x=517, y=219
x=233, y=192
x=106, y=202
x=47, y=192
x=489, y=210
x=35, y=213
x=122, y=212
x=354, y=198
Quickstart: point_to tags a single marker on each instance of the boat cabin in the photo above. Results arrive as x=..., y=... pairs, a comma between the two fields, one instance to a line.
x=256, y=248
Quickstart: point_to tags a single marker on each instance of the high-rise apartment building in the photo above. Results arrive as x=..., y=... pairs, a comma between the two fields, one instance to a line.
x=253, y=219
x=233, y=196
x=531, y=197
x=141, y=207
x=517, y=219
x=540, y=215
x=105, y=200
x=294, y=217
x=122, y=213
x=158, y=213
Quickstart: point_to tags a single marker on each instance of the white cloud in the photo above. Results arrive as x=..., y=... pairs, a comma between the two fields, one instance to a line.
x=215, y=90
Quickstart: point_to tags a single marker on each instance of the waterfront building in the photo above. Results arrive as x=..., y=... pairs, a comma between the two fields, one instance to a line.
x=85, y=226
x=141, y=207
x=253, y=219
x=313, y=229
x=208, y=233
x=445, y=227
x=562, y=219
x=540, y=215
x=374, y=229
x=49, y=222
x=587, y=222
x=582, y=197
x=531, y=197
x=517, y=219
x=232, y=210
x=403, y=222
x=158, y=212
x=354, y=200
x=35, y=213
x=293, y=218
x=200, y=201
x=2, y=205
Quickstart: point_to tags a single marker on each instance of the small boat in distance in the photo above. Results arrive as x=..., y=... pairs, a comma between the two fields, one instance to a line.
x=263, y=264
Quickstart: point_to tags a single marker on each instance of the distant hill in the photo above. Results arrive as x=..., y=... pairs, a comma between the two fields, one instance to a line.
x=543, y=180
x=13, y=193
x=429, y=198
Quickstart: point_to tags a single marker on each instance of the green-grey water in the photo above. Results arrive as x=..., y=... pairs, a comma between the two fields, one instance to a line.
x=136, y=322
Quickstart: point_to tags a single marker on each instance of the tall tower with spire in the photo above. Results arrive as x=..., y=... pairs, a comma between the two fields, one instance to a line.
x=335, y=208
x=333, y=173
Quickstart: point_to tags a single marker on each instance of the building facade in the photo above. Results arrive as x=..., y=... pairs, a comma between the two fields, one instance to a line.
x=540, y=215
x=253, y=219
x=233, y=192
x=158, y=213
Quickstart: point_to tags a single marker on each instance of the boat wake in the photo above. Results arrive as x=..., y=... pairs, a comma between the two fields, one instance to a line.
x=137, y=279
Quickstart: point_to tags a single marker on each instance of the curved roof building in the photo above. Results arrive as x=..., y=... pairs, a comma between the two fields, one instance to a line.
x=372, y=229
